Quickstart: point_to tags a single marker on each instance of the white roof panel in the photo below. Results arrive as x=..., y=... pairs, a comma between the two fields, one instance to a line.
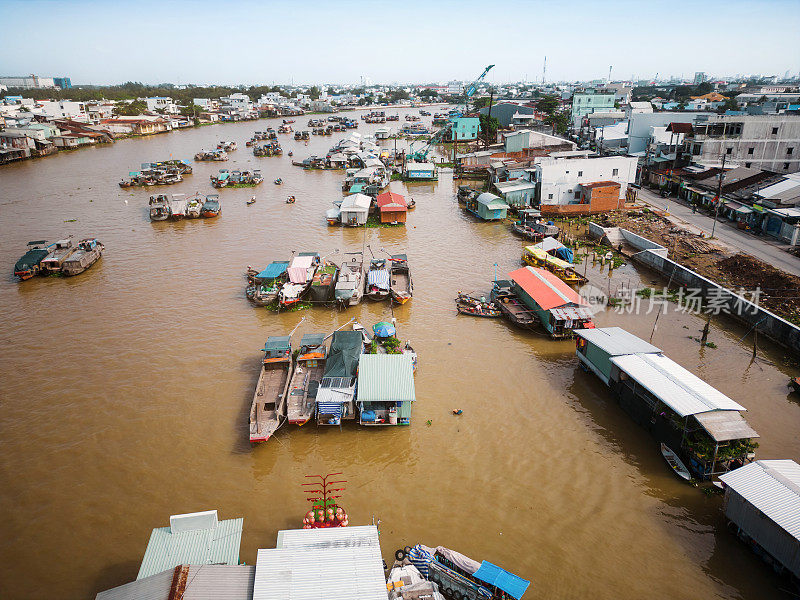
x=773, y=487
x=616, y=341
x=683, y=391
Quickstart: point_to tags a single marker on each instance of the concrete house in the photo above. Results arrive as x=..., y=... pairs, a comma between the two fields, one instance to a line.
x=587, y=102
x=465, y=129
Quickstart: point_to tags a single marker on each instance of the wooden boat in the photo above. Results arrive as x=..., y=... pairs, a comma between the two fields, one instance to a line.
x=251, y=201
x=794, y=383
x=159, y=207
x=377, y=284
x=306, y=377
x=675, y=462
x=536, y=257
x=86, y=254
x=411, y=204
x=301, y=275
x=401, y=287
x=211, y=206
x=59, y=252
x=194, y=207
x=268, y=410
x=177, y=207
x=31, y=262
x=265, y=286
x=324, y=282
x=477, y=307
x=350, y=286
x=511, y=307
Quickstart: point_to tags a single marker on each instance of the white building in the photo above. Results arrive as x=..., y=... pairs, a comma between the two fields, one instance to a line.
x=62, y=109
x=237, y=105
x=455, y=87
x=29, y=83
x=561, y=174
x=161, y=104
x=206, y=103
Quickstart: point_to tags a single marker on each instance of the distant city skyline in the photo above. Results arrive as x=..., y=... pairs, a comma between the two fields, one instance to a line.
x=267, y=43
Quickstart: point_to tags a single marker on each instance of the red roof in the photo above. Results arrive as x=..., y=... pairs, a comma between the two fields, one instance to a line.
x=547, y=290
x=391, y=202
x=600, y=184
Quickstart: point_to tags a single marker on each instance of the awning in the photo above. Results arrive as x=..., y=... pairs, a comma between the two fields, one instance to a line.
x=273, y=270
x=744, y=210
x=298, y=272
x=500, y=578
x=724, y=425
x=333, y=409
x=379, y=279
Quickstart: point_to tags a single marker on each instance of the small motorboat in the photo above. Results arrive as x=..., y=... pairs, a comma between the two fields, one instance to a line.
x=411, y=204
x=251, y=201
x=675, y=462
x=291, y=153
x=290, y=200
x=278, y=181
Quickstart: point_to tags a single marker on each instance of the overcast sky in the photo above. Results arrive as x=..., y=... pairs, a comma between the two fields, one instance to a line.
x=265, y=42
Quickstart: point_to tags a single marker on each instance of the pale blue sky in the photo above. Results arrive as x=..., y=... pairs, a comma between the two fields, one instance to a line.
x=102, y=42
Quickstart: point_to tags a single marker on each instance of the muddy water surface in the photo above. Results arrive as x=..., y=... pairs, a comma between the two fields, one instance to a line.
x=125, y=394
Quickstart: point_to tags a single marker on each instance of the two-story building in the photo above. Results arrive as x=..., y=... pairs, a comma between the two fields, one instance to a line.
x=589, y=101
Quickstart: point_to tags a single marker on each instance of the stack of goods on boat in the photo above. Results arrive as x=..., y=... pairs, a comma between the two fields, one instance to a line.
x=324, y=282
x=350, y=285
x=194, y=207
x=263, y=286
x=268, y=149
x=178, y=207
x=285, y=129
x=226, y=146
x=301, y=275
x=302, y=135
x=236, y=178
x=476, y=306
x=160, y=175
x=60, y=257
x=211, y=206
x=268, y=410
x=218, y=155
x=531, y=225
x=466, y=193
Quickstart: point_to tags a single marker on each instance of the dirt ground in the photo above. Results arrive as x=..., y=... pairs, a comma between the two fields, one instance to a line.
x=779, y=291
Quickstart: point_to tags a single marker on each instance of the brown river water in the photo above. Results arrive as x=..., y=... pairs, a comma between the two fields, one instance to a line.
x=126, y=390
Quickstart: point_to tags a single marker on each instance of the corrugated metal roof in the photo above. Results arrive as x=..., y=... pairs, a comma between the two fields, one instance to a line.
x=548, y=244
x=218, y=545
x=773, y=487
x=724, y=425
x=385, y=378
x=615, y=341
x=203, y=582
x=356, y=203
x=340, y=563
x=491, y=201
x=546, y=289
x=683, y=391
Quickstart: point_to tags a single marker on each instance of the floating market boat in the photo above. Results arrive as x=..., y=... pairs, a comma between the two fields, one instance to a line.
x=264, y=286
x=377, y=280
x=477, y=307
x=309, y=367
x=214, y=155
x=675, y=462
x=268, y=410
x=159, y=207
x=211, y=206
x=221, y=179
x=301, y=275
x=401, y=287
x=59, y=252
x=536, y=257
x=177, y=207
x=31, y=262
x=226, y=146
x=350, y=285
x=194, y=206
x=337, y=390
x=504, y=298
x=86, y=254
x=324, y=282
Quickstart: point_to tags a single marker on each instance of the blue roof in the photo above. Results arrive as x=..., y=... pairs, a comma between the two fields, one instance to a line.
x=508, y=582
x=275, y=269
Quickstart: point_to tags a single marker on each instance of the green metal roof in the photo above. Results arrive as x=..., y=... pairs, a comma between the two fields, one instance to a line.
x=386, y=378
x=214, y=545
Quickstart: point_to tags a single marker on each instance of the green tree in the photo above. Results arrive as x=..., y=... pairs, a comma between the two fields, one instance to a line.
x=489, y=127
x=191, y=110
x=479, y=103
x=428, y=93
x=703, y=88
x=548, y=104
x=130, y=109
x=558, y=121
x=729, y=104
x=314, y=92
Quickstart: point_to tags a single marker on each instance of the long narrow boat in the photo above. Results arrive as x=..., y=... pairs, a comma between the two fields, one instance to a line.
x=377, y=287
x=86, y=254
x=536, y=257
x=306, y=377
x=269, y=401
x=350, y=285
x=59, y=252
x=324, y=282
x=159, y=207
x=512, y=308
x=400, y=285
x=301, y=275
x=211, y=206
x=477, y=307
x=675, y=462
x=31, y=262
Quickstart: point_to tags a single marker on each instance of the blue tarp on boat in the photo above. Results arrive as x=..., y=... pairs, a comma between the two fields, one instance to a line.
x=564, y=253
x=275, y=269
x=500, y=578
x=379, y=278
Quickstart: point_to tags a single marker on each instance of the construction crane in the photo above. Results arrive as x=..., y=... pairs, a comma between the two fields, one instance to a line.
x=421, y=155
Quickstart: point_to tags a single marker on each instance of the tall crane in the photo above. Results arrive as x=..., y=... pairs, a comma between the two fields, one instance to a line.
x=421, y=155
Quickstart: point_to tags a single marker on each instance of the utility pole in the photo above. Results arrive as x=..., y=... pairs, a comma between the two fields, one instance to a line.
x=719, y=196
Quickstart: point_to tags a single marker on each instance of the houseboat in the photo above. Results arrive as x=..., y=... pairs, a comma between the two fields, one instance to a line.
x=301, y=275
x=385, y=391
x=212, y=155
x=350, y=285
x=194, y=206
x=488, y=207
x=268, y=410
x=558, y=307
x=264, y=286
x=504, y=298
x=401, y=287
x=59, y=252
x=337, y=390
x=211, y=206
x=703, y=426
x=536, y=257
x=159, y=207
x=324, y=282
x=309, y=367
x=420, y=171
x=377, y=287
x=86, y=254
